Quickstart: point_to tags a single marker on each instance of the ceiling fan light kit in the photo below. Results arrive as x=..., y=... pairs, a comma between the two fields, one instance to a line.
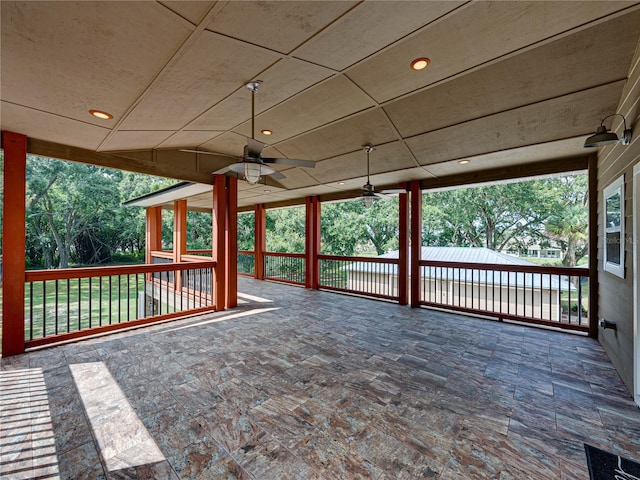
x=252, y=164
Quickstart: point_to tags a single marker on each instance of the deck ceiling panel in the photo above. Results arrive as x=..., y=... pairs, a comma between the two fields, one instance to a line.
x=290, y=75
x=200, y=78
x=384, y=158
x=67, y=58
x=321, y=104
x=186, y=138
x=477, y=33
x=276, y=25
x=346, y=135
x=548, y=121
x=509, y=82
x=542, y=74
x=559, y=150
x=370, y=27
x=47, y=126
x=193, y=11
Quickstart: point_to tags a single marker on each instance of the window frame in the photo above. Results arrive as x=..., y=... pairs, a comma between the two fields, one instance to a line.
x=614, y=188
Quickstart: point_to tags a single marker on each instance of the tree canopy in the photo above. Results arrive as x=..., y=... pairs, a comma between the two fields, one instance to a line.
x=74, y=214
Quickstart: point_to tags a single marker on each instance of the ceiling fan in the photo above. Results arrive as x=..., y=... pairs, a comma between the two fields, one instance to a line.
x=252, y=164
x=369, y=194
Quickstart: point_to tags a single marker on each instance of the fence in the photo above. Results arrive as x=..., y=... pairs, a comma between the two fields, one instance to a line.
x=285, y=267
x=373, y=277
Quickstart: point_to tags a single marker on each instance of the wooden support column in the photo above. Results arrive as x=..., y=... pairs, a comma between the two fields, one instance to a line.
x=312, y=242
x=232, y=242
x=179, y=229
x=218, y=238
x=403, y=255
x=153, y=237
x=260, y=240
x=593, y=245
x=416, y=241
x=13, y=242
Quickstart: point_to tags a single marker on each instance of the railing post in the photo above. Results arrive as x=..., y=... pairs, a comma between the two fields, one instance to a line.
x=312, y=242
x=179, y=238
x=416, y=241
x=218, y=238
x=232, y=242
x=260, y=240
x=13, y=242
x=403, y=254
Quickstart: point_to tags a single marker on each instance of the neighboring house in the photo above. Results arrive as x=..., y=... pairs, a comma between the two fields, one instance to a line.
x=515, y=293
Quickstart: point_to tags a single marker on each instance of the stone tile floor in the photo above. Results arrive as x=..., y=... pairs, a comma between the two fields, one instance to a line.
x=315, y=385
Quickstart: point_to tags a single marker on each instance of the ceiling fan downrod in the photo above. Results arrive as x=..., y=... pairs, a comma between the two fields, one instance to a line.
x=253, y=87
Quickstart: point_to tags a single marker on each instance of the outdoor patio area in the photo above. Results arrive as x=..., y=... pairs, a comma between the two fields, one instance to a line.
x=306, y=384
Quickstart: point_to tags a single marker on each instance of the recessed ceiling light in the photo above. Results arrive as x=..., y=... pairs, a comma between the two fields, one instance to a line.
x=266, y=132
x=100, y=114
x=266, y=190
x=464, y=162
x=340, y=183
x=420, y=63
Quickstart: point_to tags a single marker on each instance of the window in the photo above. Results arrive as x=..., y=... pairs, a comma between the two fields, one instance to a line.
x=614, y=227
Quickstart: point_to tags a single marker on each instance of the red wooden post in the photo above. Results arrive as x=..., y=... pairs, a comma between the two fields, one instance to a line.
x=312, y=242
x=260, y=240
x=153, y=237
x=179, y=229
x=13, y=242
x=403, y=255
x=232, y=242
x=416, y=241
x=219, y=236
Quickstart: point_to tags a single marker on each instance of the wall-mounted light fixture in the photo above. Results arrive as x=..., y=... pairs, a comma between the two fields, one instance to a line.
x=602, y=137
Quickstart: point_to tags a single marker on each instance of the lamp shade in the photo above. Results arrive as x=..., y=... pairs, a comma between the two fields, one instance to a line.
x=601, y=138
x=252, y=171
x=368, y=200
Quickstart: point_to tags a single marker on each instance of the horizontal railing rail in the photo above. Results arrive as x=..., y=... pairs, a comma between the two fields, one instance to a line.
x=369, y=276
x=246, y=263
x=75, y=302
x=552, y=296
x=285, y=267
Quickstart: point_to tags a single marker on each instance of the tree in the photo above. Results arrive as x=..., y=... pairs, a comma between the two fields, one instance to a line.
x=286, y=230
x=342, y=228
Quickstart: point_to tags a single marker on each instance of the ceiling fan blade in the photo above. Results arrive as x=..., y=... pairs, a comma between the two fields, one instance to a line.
x=204, y=152
x=254, y=147
x=277, y=175
x=221, y=171
x=382, y=195
x=290, y=161
x=393, y=191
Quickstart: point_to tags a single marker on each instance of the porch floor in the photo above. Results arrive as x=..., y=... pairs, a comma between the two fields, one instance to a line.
x=315, y=385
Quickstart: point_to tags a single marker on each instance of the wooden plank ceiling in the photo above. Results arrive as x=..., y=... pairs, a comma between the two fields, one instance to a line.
x=510, y=83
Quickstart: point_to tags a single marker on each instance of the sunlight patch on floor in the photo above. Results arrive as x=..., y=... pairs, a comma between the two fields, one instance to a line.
x=224, y=318
x=254, y=298
x=123, y=439
x=27, y=442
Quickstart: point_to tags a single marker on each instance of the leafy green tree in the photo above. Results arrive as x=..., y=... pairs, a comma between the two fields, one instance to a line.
x=246, y=232
x=286, y=230
x=342, y=228
x=381, y=225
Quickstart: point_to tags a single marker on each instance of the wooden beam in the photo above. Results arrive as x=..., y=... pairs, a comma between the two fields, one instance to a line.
x=144, y=163
x=548, y=167
x=219, y=240
x=416, y=241
x=153, y=236
x=179, y=229
x=231, y=255
x=260, y=240
x=13, y=242
x=403, y=255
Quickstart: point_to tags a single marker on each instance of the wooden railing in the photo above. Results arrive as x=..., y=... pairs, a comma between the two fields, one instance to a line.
x=369, y=276
x=246, y=263
x=74, y=302
x=543, y=295
x=285, y=267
